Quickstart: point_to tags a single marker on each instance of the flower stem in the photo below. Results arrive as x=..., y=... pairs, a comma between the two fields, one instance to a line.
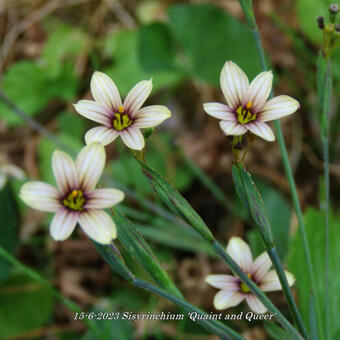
x=112, y=257
x=255, y=290
x=293, y=189
x=35, y=276
x=325, y=106
x=274, y=256
x=213, y=326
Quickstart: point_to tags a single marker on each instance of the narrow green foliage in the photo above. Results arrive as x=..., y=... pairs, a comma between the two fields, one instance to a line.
x=140, y=250
x=169, y=194
x=251, y=198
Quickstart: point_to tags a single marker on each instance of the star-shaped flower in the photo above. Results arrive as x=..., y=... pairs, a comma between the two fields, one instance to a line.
x=117, y=118
x=76, y=199
x=248, y=108
x=233, y=291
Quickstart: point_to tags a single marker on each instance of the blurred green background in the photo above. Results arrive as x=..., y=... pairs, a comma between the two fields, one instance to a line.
x=48, y=53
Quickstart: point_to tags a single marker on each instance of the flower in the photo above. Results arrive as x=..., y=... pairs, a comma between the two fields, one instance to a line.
x=233, y=291
x=117, y=119
x=248, y=108
x=76, y=199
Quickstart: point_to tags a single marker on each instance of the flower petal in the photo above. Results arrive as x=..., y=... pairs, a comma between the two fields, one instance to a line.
x=234, y=84
x=137, y=96
x=262, y=130
x=98, y=225
x=64, y=171
x=226, y=282
x=63, y=224
x=101, y=134
x=103, y=198
x=105, y=91
x=90, y=164
x=261, y=266
x=40, y=196
x=255, y=304
x=151, y=116
x=232, y=128
x=270, y=282
x=133, y=138
x=219, y=111
x=226, y=298
x=240, y=252
x=259, y=90
x=95, y=111
x=278, y=107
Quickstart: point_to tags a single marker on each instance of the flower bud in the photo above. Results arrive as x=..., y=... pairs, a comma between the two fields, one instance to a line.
x=333, y=9
x=321, y=22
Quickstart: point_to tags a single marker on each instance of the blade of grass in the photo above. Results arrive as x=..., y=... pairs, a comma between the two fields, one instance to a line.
x=325, y=91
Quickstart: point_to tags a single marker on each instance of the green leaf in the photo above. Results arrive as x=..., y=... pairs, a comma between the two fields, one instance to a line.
x=33, y=98
x=209, y=37
x=156, y=47
x=314, y=225
x=170, y=196
x=30, y=98
x=279, y=214
x=20, y=296
x=8, y=227
x=251, y=197
x=174, y=235
x=127, y=69
x=64, y=43
x=113, y=258
x=140, y=250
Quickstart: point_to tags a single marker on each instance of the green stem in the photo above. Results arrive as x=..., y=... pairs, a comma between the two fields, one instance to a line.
x=255, y=290
x=327, y=89
x=113, y=259
x=213, y=326
x=293, y=189
x=35, y=276
x=286, y=289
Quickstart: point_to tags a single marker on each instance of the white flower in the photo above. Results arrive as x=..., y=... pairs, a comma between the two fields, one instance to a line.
x=117, y=119
x=248, y=108
x=76, y=199
x=233, y=291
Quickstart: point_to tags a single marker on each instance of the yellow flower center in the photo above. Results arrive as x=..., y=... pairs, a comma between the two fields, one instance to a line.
x=244, y=288
x=75, y=200
x=122, y=120
x=244, y=114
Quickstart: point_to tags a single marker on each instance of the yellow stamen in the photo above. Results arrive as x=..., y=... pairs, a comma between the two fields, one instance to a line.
x=244, y=288
x=120, y=109
x=75, y=200
x=121, y=121
x=245, y=115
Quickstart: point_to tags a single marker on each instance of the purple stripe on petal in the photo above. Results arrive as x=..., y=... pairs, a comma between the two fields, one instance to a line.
x=63, y=224
x=64, y=171
x=90, y=164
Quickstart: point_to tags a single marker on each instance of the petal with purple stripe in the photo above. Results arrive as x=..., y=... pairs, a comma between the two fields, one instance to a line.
x=90, y=164
x=40, y=196
x=103, y=198
x=98, y=225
